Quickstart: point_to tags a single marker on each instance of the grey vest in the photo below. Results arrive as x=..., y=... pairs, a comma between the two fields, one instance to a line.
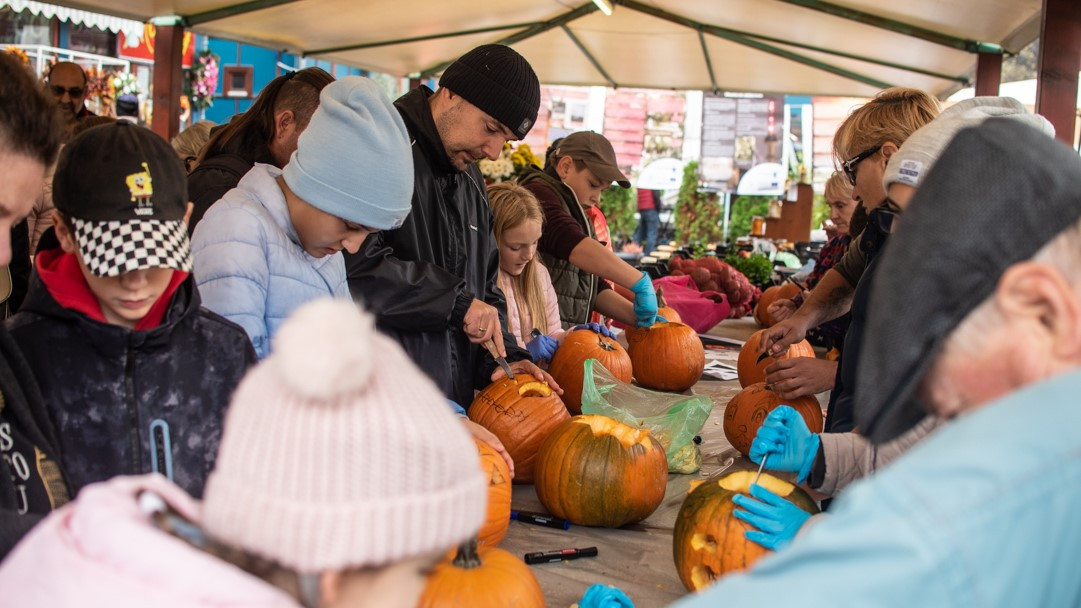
x=575, y=288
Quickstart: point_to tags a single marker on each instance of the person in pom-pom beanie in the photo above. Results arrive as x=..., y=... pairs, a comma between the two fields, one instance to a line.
x=432, y=283
x=342, y=479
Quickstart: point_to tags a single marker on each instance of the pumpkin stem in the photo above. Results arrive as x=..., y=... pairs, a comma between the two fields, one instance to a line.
x=660, y=298
x=467, y=557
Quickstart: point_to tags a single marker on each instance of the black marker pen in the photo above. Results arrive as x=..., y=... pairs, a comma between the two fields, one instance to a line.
x=544, y=557
x=540, y=519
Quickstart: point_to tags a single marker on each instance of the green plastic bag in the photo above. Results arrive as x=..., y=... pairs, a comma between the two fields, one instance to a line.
x=673, y=419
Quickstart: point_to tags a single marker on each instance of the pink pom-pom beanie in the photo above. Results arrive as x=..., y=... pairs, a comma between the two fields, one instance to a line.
x=339, y=453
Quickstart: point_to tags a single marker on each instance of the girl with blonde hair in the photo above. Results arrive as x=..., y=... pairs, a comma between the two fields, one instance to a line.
x=517, y=221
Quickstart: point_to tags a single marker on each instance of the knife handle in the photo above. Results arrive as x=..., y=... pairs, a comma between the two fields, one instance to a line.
x=490, y=345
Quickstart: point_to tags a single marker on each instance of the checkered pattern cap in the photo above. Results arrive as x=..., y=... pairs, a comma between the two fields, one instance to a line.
x=125, y=192
x=112, y=248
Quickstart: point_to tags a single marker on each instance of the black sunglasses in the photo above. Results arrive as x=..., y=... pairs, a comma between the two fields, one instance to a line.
x=72, y=91
x=849, y=166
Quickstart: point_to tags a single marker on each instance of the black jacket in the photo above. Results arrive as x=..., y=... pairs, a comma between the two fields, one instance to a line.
x=420, y=279
x=23, y=502
x=104, y=385
x=218, y=174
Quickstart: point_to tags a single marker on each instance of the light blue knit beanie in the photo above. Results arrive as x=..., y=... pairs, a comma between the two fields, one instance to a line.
x=354, y=160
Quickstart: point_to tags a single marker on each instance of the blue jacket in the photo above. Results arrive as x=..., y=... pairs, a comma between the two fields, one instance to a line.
x=984, y=512
x=249, y=264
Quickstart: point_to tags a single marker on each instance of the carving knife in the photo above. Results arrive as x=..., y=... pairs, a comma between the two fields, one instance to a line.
x=760, y=467
x=490, y=345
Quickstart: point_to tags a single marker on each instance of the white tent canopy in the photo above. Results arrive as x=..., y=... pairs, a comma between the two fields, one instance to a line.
x=795, y=46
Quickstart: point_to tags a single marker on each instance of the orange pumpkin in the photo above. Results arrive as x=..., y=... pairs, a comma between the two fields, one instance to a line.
x=666, y=356
x=484, y=577
x=748, y=410
x=708, y=540
x=497, y=518
x=596, y=471
x=769, y=296
x=666, y=311
x=751, y=370
x=567, y=365
x=520, y=411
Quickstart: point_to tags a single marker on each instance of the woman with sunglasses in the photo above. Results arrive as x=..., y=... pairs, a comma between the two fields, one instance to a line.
x=863, y=145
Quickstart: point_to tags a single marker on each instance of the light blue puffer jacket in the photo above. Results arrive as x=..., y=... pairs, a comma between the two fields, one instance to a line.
x=249, y=264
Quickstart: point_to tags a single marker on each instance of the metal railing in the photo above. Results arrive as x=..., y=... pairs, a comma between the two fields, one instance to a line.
x=40, y=54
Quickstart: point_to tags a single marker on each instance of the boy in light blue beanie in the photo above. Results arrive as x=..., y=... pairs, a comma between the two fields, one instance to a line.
x=275, y=241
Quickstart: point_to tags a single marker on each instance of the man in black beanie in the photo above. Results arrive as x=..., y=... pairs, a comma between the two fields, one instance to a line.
x=432, y=282
x=986, y=333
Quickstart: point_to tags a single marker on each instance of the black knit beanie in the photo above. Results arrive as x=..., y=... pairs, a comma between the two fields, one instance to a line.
x=499, y=81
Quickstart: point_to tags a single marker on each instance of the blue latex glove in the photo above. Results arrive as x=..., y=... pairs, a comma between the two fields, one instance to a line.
x=542, y=347
x=645, y=301
x=777, y=519
x=786, y=443
x=605, y=596
x=596, y=328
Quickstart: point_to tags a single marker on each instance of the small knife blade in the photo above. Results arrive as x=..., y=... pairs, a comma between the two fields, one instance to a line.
x=490, y=345
x=760, y=467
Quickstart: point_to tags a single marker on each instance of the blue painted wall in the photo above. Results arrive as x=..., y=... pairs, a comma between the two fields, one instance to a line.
x=264, y=63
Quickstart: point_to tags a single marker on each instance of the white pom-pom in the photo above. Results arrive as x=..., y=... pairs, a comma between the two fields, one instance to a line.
x=324, y=349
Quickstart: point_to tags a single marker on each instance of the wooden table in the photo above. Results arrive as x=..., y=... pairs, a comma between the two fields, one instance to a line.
x=636, y=558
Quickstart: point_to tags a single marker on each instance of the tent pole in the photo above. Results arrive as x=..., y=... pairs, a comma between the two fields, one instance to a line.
x=539, y=28
x=232, y=11
x=369, y=45
x=168, y=57
x=589, y=56
x=1058, y=65
x=745, y=40
x=900, y=27
x=709, y=62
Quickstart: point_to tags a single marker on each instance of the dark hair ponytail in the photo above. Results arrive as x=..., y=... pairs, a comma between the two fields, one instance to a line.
x=297, y=91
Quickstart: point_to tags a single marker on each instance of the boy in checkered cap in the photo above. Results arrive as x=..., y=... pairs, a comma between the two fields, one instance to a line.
x=135, y=374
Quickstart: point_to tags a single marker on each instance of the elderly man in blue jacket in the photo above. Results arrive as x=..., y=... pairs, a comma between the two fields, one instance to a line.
x=975, y=317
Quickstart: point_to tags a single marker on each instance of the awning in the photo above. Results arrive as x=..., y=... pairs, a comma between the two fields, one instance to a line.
x=807, y=47
x=101, y=21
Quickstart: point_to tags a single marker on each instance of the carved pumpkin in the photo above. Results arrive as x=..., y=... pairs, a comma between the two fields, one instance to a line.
x=497, y=518
x=748, y=367
x=666, y=311
x=666, y=356
x=567, y=364
x=521, y=412
x=748, y=410
x=708, y=541
x=769, y=296
x=596, y=471
x=484, y=577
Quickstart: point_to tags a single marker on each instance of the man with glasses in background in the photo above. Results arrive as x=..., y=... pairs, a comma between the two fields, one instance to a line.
x=67, y=84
